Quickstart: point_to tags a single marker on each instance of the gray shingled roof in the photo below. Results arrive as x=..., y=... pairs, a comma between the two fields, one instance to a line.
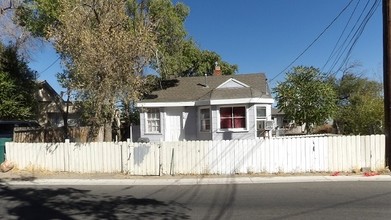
x=277, y=112
x=194, y=89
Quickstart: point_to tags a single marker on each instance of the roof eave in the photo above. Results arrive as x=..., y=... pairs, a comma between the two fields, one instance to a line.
x=206, y=102
x=163, y=104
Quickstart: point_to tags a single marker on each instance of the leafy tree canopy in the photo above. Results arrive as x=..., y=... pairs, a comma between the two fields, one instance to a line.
x=360, y=105
x=17, y=86
x=306, y=96
x=175, y=53
x=105, y=46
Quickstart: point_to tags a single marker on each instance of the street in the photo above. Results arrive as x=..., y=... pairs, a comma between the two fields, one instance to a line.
x=325, y=200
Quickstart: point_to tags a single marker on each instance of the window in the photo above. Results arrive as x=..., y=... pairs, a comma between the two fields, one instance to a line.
x=261, y=112
x=205, y=119
x=153, y=120
x=261, y=120
x=232, y=117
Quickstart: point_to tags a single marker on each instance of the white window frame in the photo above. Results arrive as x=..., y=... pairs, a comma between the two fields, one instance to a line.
x=147, y=120
x=263, y=119
x=232, y=129
x=200, y=119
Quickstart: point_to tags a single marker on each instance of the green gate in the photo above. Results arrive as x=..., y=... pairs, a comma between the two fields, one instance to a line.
x=2, y=148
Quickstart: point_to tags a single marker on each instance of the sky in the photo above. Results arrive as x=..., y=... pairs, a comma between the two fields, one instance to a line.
x=272, y=36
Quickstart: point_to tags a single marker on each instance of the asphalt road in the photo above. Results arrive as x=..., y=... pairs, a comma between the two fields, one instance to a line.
x=323, y=200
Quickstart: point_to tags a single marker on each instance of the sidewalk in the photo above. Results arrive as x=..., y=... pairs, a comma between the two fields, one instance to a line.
x=50, y=178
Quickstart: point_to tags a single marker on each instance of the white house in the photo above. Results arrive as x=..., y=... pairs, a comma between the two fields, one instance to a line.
x=215, y=107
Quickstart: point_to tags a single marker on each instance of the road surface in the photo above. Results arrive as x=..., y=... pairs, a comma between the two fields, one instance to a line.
x=322, y=200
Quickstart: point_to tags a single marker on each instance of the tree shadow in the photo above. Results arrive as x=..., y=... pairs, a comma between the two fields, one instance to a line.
x=26, y=178
x=220, y=200
x=70, y=203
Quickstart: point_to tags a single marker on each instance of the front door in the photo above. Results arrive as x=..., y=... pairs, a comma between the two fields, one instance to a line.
x=174, y=124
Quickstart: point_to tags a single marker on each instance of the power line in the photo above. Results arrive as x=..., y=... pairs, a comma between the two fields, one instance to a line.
x=50, y=65
x=342, y=48
x=313, y=42
x=359, y=33
x=340, y=37
x=354, y=39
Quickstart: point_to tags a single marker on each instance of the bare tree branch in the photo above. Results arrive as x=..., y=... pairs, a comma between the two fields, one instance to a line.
x=12, y=33
x=5, y=8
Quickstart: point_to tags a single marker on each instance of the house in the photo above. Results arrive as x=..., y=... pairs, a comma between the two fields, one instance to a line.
x=278, y=118
x=214, y=107
x=52, y=107
x=284, y=126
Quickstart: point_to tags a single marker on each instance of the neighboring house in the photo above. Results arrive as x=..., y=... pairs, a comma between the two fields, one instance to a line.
x=208, y=108
x=283, y=126
x=52, y=107
x=278, y=118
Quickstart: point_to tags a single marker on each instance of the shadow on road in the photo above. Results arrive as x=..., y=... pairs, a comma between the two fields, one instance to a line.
x=69, y=203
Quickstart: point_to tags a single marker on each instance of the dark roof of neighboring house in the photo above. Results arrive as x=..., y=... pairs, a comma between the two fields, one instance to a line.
x=194, y=89
x=277, y=112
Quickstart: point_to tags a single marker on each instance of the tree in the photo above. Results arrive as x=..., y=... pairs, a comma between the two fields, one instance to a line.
x=176, y=54
x=11, y=33
x=306, y=97
x=360, y=105
x=105, y=46
x=197, y=62
x=170, y=33
x=17, y=86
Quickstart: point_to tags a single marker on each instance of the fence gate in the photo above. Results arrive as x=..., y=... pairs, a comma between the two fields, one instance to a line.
x=143, y=159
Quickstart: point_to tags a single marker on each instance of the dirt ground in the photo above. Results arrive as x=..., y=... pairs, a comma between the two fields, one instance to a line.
x=16, y=174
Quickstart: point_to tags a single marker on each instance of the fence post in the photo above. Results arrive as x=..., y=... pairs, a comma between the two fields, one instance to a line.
x=66, y=155
x=172, y=165
x=160, y=159
x=125, y=156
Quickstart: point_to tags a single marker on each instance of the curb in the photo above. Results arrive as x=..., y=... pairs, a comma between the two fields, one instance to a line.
x=196, y=181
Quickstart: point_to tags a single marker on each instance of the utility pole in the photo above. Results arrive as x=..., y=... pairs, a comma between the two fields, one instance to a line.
x=387, y=79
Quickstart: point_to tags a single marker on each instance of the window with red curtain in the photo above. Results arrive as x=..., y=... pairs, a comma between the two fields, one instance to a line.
x=232, y=117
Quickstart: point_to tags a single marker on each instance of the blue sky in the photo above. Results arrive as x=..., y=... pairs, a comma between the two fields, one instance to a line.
x=267, y=35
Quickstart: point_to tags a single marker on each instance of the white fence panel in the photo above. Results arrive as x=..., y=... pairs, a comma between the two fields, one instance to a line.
x=276, y=155
x=377, y=152
x=144, y=159
x=95, y=157
x=36, y=156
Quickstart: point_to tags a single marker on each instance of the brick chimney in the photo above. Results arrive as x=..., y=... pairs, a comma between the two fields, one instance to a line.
x=217, y=71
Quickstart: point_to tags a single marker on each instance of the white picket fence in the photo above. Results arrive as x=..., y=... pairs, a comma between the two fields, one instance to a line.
x=275, y=155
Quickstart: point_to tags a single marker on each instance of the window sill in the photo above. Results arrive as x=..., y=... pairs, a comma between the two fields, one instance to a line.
x=150, y=133
x=232, y=130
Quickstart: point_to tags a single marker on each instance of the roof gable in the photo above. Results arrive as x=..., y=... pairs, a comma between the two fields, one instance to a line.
x=47, y=93
x=232, y=83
